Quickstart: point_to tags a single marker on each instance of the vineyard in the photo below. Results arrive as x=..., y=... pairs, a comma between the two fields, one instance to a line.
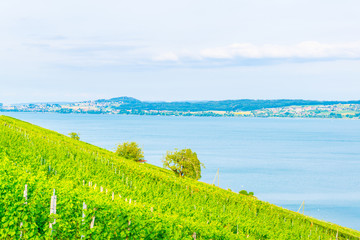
x=54, y=187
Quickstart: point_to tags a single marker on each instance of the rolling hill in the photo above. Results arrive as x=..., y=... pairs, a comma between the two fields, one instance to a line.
x=102, y=196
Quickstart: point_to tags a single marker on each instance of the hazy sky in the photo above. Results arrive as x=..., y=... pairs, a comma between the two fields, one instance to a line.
x=179, y=50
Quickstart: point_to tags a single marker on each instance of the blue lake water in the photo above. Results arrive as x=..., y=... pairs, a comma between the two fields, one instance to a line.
x=283, y=161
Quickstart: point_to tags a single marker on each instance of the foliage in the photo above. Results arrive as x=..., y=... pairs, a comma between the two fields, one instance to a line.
x=74, y=135
x=149, y=202
x=224, y=105
x=335, y=115
x=183, y=163
x=244, y=192
x=130, y=150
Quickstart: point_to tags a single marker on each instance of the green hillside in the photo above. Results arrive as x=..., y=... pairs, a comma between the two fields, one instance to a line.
x=124, y=199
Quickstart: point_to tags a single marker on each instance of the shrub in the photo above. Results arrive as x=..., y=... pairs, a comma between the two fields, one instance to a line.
x=183, y=163
x=243, y=192
x=74, y=135
x=130, y=150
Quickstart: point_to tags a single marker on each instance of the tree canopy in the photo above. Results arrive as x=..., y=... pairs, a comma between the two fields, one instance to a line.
x=74, y=135
x=183, y=163
x=130, y=150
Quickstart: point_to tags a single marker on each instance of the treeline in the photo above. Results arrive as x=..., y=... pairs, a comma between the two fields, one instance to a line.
x=128, y=105
x=225, y=105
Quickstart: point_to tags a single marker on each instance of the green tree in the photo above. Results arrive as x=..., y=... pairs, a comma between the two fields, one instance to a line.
x=130, y=150
x=244, y=192
x=183, y=163
x=74, y=135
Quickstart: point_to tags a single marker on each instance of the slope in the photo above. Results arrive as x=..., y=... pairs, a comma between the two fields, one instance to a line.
x=125, y=199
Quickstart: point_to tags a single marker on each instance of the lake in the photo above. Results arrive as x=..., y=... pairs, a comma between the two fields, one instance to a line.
x=283, y=161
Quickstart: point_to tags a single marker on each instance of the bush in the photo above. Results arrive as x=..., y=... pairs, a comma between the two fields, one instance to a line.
x=130, y=150
x=183, y=163
x=74, y=135
x=244, y=192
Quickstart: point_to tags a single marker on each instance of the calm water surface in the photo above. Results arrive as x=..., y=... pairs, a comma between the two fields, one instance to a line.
x=283, y=161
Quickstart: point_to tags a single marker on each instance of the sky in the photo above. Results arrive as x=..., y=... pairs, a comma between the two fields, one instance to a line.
x=159, y=50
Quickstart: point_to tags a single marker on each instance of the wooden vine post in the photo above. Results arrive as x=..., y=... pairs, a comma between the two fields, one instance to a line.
x=217, y=175
x=26, y=197
x=83, y=216
x=92, y=221
x=53, y=209
x=26, y=193
x=302, y=206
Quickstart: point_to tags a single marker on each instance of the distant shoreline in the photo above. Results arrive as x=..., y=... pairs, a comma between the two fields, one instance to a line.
x=280, y=108
x=183, y=114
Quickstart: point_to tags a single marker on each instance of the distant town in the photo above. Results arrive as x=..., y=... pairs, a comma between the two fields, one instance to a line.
x=233, y=108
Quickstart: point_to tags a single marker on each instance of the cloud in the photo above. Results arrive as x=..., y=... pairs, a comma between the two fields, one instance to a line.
x=169, y=56
x=63, y=52
x=309, y=50
x=84, y=53
x=64, y=45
